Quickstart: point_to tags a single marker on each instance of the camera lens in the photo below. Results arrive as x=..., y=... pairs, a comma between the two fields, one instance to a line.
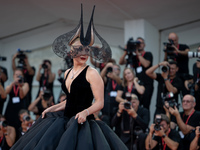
x=165, y=68
x=44, y=66
x=109, y=69
x=127, y=105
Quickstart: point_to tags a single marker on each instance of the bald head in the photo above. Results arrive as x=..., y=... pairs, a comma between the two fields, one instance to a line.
x=173, y=36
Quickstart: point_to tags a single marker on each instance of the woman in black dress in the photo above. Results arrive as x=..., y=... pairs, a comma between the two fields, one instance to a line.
x=75, y=128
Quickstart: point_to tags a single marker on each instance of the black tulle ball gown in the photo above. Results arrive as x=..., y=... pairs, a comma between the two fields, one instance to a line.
x=60, y=130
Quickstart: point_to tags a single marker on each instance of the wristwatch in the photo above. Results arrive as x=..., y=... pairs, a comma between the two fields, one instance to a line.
x=164, y=135
x=166, y=79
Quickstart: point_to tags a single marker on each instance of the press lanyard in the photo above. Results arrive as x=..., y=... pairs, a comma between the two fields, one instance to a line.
x=130, y=89
x=188, y=117
x=171, y=80
x=139, y=63
x=15, y=90
x=114, y=84
x=163, y=142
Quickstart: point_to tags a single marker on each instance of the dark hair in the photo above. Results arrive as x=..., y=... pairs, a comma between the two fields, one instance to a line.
x=140, y=38
x=165, y=118
x=47, y=60
x=173, y=62
x=23, y=111
x=62, y=94
x=18, y=69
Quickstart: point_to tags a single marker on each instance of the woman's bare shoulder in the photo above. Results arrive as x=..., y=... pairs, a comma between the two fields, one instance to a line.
x=66, y=72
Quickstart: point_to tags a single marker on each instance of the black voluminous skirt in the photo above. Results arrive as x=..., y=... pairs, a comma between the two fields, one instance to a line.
x=58, y=132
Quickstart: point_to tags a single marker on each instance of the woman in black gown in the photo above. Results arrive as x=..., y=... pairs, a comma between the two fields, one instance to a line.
x=75, y=128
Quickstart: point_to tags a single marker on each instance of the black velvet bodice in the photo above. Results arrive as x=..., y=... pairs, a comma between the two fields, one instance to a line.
x=80, y=96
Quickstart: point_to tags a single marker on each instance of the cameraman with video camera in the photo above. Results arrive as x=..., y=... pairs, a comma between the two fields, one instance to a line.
x=45, y=99
x=134, y=126
x=26, y=121
x=187, y=120
x=139, y=60
x=167, y=82
x=7, y=134
x=28, y=71
x=161, y=136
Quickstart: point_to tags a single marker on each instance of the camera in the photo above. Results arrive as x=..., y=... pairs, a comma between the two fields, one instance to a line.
x=26, y=118
x=169, y=97
x=109, y=69
x=132, y=45
x=44, y=66
x=169, y=50
x=191, y=87
x=165, y=68
x=47, y=95
x=2, y=58
x=127, y=105
x=4, y=123
x=128, y=96
x=194, y=54
x=21, y=56
x=21, y=79
x=158, y=120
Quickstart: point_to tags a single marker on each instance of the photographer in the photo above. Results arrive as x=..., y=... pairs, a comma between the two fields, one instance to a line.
x=3, y=75
x=161, y=136
x=195, y=142
x=17, y=91
x=26, y=121
x=186, y=120
x=134, y=121
x=7, y=134
x=181, y=53
x=3, y=96
x=46, y=78
x=112, y=81
x=28, y=71
x=193, y=85
x=140, y=60
x=45, y=98
x=167, y=82
x=130, y=84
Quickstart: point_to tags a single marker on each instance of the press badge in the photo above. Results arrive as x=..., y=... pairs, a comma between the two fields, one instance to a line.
x=113, y=93
x=15, y=100
x=181, y=134
x=139, y=69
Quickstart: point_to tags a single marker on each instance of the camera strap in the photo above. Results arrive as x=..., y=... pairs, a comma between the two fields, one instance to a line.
x=25, y=70
x=163, y=142
x=188, y=116
x=139, y=63
x=15, y=90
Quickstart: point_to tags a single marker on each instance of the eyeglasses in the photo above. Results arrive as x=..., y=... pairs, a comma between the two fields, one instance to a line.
x=187, y=101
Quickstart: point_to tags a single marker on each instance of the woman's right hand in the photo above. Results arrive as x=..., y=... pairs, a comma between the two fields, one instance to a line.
x=46, y=111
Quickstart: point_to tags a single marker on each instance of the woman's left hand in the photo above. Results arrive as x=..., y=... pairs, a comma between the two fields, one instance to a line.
x=81, y=116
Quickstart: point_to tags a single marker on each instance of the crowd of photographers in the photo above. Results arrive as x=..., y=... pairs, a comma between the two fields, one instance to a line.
x=127, y=98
